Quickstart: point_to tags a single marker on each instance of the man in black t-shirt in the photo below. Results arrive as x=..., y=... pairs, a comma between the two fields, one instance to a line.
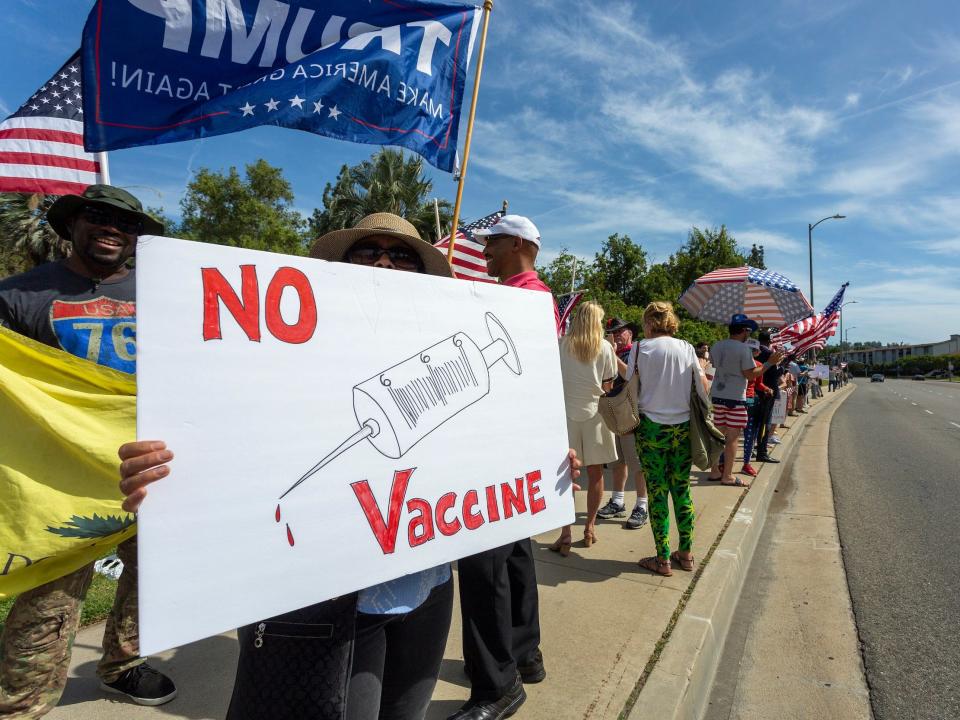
x=764, y=404
x=86, y=306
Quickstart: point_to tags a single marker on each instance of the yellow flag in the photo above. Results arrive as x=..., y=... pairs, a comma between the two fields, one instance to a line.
x=62, y=419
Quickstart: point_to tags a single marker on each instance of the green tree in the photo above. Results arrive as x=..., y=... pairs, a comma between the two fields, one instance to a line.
x=388, y=181
x=559, y=273
x=620, y=268
x=704, y=251
x=26, y=239
x=255, y=211
x=755, y=257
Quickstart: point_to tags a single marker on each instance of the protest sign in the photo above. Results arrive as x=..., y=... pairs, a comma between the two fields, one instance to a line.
x=821, y=372
x=378, y=72
x=334, y=426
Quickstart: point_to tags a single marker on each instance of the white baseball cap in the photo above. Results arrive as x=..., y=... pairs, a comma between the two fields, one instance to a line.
x=515, y=226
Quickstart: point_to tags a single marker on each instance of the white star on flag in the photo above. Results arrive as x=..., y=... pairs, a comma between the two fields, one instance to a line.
x=247, y=109
x=272, y=105
x=318, y=106
x=297, y=101
x=334, y=113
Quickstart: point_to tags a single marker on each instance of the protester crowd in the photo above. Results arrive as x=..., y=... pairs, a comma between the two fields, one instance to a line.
x=377, y=653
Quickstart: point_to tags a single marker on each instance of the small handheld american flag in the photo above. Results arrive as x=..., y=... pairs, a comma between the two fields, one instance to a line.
x=812, y=333
x=566, y=304
x=41, y=144
x=468, y=260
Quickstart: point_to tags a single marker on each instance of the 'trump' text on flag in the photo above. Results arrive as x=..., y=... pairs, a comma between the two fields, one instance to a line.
x=377, y=72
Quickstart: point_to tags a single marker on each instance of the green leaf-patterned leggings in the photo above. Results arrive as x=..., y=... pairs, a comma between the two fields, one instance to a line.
x=664, y=452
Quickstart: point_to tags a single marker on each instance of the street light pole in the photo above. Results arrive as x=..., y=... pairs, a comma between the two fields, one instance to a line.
x=842, y=353
x=810, y=246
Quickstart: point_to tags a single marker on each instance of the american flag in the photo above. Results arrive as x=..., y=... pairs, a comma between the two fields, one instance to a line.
x=41, y=144
x=812, y=333
x=468, y=260
x=566, y=304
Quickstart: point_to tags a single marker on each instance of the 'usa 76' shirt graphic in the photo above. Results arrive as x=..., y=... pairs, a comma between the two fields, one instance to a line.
x=101, y=330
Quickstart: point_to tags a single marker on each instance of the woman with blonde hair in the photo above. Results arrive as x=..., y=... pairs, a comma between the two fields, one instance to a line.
x=668, y=370
x=588, y=365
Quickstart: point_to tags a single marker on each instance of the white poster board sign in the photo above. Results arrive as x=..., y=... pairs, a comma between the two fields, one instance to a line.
x=821, y=372
x=334, y=426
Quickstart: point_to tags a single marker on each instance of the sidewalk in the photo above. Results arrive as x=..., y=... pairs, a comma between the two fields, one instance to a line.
x=602, y=618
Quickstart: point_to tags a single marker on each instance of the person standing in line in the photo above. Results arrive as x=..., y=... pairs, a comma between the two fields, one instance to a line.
x=588, y=366
x=734, y=365
x=755, y=391
x=499, y=601
x=85, y=305
x=668, y=371
x=772, y=379
x=627, y=463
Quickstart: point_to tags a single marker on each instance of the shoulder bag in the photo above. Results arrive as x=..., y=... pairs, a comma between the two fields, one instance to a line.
x=618, y=408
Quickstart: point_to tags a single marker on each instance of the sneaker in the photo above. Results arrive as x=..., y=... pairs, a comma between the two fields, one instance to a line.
x=638, y=518
x=143, y=685
x=612, y=510
x=748, y=470
x=774, y=440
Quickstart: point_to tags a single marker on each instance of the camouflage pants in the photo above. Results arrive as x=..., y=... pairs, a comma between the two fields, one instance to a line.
x=39, y=632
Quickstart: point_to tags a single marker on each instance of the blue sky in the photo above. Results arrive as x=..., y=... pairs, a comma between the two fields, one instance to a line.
x=646, y=118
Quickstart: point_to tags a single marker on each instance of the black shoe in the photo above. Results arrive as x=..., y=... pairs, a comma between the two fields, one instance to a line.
x=767, y=459
x=143, y=685
x=532, y=671
x=503, y=707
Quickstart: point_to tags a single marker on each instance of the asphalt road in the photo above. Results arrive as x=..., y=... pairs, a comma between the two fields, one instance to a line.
x=895, y=465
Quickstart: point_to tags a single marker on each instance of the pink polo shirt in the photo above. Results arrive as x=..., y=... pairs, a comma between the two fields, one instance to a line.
x=530, y=280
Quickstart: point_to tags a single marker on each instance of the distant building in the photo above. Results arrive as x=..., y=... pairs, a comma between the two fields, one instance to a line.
x=895, y=353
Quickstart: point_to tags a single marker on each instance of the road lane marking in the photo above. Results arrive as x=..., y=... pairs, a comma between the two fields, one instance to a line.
x=914, y=404
x=928, y=412
x=955, y=425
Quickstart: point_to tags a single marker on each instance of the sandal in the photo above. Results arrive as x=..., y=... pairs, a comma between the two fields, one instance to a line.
x=684, y=564
x=589, y=538
x=562, y=546
x=656, y=566
x=737, y=482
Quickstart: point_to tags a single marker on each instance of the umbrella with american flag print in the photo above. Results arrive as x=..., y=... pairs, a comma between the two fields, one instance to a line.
x=772, y=299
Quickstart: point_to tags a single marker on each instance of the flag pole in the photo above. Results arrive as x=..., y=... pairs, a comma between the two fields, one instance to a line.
x=104, y=167
x=436, y=216
x=487, y=7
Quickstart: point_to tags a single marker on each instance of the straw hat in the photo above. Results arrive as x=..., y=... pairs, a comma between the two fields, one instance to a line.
x=334, y=245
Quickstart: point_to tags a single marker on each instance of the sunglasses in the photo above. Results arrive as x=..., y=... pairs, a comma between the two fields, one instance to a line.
x=98, y=216
x=402, y=257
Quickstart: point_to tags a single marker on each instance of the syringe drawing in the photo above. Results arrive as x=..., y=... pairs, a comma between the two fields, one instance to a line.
x=400, y=406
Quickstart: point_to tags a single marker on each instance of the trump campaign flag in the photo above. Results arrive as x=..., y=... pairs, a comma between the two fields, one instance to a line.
x=41, y=144
x=381, y=72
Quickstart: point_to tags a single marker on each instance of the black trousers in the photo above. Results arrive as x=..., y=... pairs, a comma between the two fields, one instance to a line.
x=763, y=409
x=501, y=616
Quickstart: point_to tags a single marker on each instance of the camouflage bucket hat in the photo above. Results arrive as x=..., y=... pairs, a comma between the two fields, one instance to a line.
x=118, y=198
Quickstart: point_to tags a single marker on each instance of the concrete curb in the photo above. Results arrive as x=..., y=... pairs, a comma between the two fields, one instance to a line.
x=680, y=683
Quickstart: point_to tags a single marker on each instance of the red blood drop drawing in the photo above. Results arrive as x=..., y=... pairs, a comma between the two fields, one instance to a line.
x=277, y=514
x=289, y=535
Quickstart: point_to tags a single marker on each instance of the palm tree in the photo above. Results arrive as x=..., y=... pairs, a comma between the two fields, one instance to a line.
x=24, y=230
x=387, y=182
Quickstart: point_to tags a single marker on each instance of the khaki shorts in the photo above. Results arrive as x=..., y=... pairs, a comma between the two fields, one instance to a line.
x=627, y=452
x=594, y=443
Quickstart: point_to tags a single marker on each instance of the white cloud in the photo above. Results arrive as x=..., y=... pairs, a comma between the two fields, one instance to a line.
x=941, y=247
x=769, y=240
x=852, y=100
